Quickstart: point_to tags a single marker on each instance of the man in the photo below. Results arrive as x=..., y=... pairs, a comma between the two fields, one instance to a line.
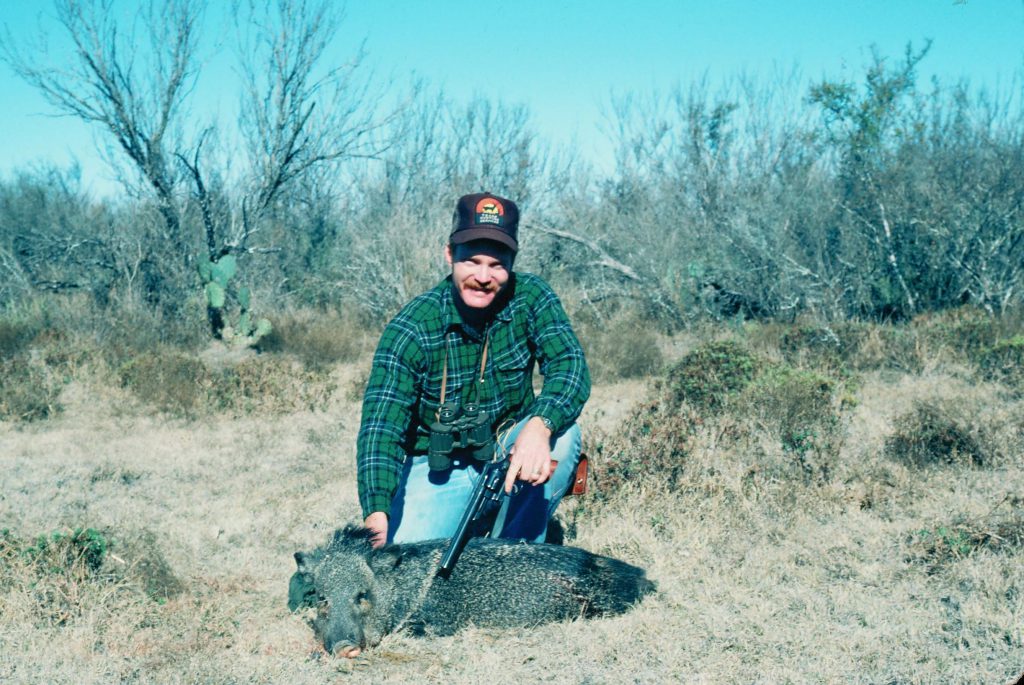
x=470, y=344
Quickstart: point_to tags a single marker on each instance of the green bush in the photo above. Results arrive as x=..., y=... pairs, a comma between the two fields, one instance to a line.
x=650, y=447
x=706, y=377
x=799, y=409
x=62, y=550
x=935, y=433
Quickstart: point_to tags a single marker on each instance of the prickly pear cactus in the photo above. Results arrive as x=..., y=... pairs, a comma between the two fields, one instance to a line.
x=216, y=275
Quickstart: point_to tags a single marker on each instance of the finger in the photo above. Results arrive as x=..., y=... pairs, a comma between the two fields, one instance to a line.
x=510, y=477
x=539, y=473
x=547, y=468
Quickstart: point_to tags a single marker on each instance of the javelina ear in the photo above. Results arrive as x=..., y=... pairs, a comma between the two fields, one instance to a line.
x=353, y=535
x=300, y=560
x=386, y=558
x=301, y=591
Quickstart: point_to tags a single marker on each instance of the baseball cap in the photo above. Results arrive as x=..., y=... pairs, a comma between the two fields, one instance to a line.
x=483, y=216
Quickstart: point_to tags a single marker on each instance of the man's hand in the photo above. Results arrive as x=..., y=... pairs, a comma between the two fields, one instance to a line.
x=377, y=522
x=531, y=455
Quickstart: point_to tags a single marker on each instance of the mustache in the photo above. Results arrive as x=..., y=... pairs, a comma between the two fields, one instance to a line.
x=476, y=285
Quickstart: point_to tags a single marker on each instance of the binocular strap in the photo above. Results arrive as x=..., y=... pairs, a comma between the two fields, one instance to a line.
x=444, y=368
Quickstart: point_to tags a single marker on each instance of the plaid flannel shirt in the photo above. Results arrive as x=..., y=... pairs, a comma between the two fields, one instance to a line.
x=404, y=388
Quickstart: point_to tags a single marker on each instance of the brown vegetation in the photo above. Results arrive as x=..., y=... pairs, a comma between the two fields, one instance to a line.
x=800, y=510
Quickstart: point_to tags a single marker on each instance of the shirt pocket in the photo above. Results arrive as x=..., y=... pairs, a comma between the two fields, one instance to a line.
x=514, y=371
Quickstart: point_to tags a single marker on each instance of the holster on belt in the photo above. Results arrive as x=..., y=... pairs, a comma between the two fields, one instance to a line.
x=579, y=480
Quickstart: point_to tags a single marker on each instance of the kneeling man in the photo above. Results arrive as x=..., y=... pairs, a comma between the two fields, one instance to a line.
x=453, y=372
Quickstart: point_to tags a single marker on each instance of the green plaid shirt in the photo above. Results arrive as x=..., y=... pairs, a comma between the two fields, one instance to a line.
x=404, y=388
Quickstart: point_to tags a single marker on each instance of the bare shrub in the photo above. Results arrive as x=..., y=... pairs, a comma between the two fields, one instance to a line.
x=624, y=347
x=936, y=433
x=183, y=386
x=320, y=339
x=29, y=390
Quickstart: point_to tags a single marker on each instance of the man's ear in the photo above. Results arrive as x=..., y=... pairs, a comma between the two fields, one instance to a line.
x=448, y=253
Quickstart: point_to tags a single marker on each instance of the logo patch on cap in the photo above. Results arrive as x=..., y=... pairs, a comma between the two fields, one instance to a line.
x=490, y=211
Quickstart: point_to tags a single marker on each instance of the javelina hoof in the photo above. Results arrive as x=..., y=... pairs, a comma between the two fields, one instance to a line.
x=362, y=594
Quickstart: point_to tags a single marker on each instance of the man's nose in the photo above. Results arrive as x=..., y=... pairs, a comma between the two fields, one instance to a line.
x=483, y=273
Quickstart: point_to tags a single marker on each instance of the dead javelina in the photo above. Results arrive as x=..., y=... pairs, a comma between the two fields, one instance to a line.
x=362, y=594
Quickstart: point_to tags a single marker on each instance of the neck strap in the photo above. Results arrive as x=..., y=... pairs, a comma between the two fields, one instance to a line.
x=444, y=370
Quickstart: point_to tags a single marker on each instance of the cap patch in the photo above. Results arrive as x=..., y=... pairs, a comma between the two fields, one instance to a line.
x=490, y=211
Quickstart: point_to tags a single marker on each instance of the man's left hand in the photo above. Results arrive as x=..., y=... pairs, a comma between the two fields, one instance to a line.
x=530, y=455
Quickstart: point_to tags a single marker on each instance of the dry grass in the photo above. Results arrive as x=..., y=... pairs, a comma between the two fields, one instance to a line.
x=879, y=571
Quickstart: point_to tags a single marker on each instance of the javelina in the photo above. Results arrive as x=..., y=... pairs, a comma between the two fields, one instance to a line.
x=362, y=594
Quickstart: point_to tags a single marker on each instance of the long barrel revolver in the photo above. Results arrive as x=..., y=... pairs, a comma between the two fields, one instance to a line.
x=486, y=496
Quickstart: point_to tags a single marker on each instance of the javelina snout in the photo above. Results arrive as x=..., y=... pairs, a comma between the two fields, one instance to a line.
x=362, y=594
x=338, y=582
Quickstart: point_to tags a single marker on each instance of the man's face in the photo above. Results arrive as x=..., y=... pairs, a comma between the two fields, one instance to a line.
x=480, y=269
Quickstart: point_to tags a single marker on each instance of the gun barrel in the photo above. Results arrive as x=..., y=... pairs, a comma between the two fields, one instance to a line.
x=486, y=490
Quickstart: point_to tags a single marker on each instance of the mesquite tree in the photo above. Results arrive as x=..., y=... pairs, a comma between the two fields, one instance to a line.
x=132, y=76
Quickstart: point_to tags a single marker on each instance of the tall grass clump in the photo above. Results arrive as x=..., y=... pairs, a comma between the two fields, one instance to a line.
x=56, y=578
x=59, y=574
x=1004, y=362
x=184, y=386
x=319, y=338
x=937, y=432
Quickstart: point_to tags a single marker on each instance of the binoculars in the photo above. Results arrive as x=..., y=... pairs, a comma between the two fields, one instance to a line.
x=454, y=429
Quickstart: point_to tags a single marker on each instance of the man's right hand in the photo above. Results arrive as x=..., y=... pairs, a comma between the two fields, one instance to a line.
x=377, y=522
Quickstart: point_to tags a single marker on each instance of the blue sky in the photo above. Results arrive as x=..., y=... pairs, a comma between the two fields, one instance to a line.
x=563, y=58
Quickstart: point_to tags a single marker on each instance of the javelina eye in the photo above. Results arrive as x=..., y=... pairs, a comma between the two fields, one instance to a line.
x=362, y=601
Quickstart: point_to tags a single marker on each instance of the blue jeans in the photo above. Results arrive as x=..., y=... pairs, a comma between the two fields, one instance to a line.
x=429, y=504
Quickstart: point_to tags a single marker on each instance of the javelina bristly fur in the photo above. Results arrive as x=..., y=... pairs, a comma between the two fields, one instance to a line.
x=362, y=594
